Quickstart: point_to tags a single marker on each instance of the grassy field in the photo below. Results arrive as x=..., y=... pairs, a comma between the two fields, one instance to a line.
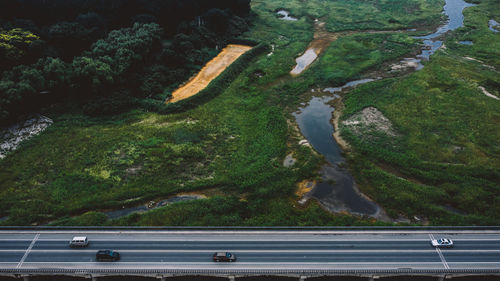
x=447, y=152
x=234, y=145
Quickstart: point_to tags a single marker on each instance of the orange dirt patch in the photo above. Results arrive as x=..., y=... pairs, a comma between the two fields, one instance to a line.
x=304, y=187
x=209, y=72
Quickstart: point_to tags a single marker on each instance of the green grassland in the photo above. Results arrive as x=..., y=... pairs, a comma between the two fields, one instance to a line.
x=447, y=152
x=236, y=142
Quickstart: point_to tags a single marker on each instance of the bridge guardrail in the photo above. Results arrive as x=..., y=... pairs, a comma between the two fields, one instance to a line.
x=250, y=272
x=250, y=228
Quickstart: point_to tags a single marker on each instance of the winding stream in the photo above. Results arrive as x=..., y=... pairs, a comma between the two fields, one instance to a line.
x=454, y=10
x=337, y=191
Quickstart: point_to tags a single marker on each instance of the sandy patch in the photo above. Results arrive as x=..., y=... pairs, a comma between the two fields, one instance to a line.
x=369, y=120
x=339, y=108
x=303, y=188
x=209, y=72
x=289, y=161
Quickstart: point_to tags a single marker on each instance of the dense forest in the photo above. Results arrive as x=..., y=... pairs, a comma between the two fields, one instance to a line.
x=105, y=55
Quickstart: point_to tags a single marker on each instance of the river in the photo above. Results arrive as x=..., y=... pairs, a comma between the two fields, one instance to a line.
x=337, y=191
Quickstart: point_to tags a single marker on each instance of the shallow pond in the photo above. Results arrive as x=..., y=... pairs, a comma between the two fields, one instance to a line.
x=314, y=123
x=337, y=191
x=493, y=25
x=304, y=61
x=285, y=15
x=465, y=43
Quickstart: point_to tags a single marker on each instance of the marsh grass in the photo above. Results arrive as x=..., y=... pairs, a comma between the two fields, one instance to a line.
x=236, y=141
x=448, y=153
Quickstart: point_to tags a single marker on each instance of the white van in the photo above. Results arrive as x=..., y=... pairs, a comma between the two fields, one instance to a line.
x=79, y=241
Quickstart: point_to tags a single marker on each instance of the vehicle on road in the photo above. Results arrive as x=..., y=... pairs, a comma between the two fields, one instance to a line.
x=79, y=241
x=442, y=243
x=107, y=255
x=224, y=257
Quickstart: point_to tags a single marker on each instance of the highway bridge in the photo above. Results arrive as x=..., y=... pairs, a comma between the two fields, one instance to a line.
x=300, y=253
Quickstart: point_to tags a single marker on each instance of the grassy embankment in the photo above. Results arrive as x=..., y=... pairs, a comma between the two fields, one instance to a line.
x=231, y=146
x=447, y=152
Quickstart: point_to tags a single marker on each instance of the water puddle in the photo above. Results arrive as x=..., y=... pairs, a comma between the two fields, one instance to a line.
x=349, y=85
x=454, y=10
x=321, y=41
x=151, y=206
x=314, y=123
x=493, y=25
x=304, y=61
x=209, y=72
x=465, y=42
x=337, y=190
x=285, y=15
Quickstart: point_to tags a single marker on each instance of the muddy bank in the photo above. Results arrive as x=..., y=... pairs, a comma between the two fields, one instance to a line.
x=209, y=72
x=322, y=39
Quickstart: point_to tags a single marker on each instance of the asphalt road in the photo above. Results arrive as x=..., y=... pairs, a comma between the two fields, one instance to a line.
x=253, y=250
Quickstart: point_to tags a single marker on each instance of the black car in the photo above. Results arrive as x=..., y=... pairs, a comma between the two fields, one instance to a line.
x=107, y=255
x=224, y=256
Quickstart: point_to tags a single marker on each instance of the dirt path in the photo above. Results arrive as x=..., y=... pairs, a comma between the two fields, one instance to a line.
x=209, y=72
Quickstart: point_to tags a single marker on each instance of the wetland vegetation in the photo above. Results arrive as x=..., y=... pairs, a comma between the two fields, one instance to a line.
x=106, y=151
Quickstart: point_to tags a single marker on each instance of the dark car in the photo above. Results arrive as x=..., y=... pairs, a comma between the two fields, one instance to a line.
x=107, y=255
x=224, y=256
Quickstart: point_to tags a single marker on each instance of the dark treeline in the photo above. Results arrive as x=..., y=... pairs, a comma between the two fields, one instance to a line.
x=69, y=27
x=106, y=54
x=117, y=13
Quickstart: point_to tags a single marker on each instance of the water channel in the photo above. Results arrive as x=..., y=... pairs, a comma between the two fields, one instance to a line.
x=115, y=214
x=454, y=10
x=338, y=191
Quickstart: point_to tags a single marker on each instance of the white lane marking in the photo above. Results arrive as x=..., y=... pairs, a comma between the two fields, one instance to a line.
x=254, y=251
x=251, y=263
x=443, y=260
x=28, y=251
x=251, y=241
x=256, y=232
